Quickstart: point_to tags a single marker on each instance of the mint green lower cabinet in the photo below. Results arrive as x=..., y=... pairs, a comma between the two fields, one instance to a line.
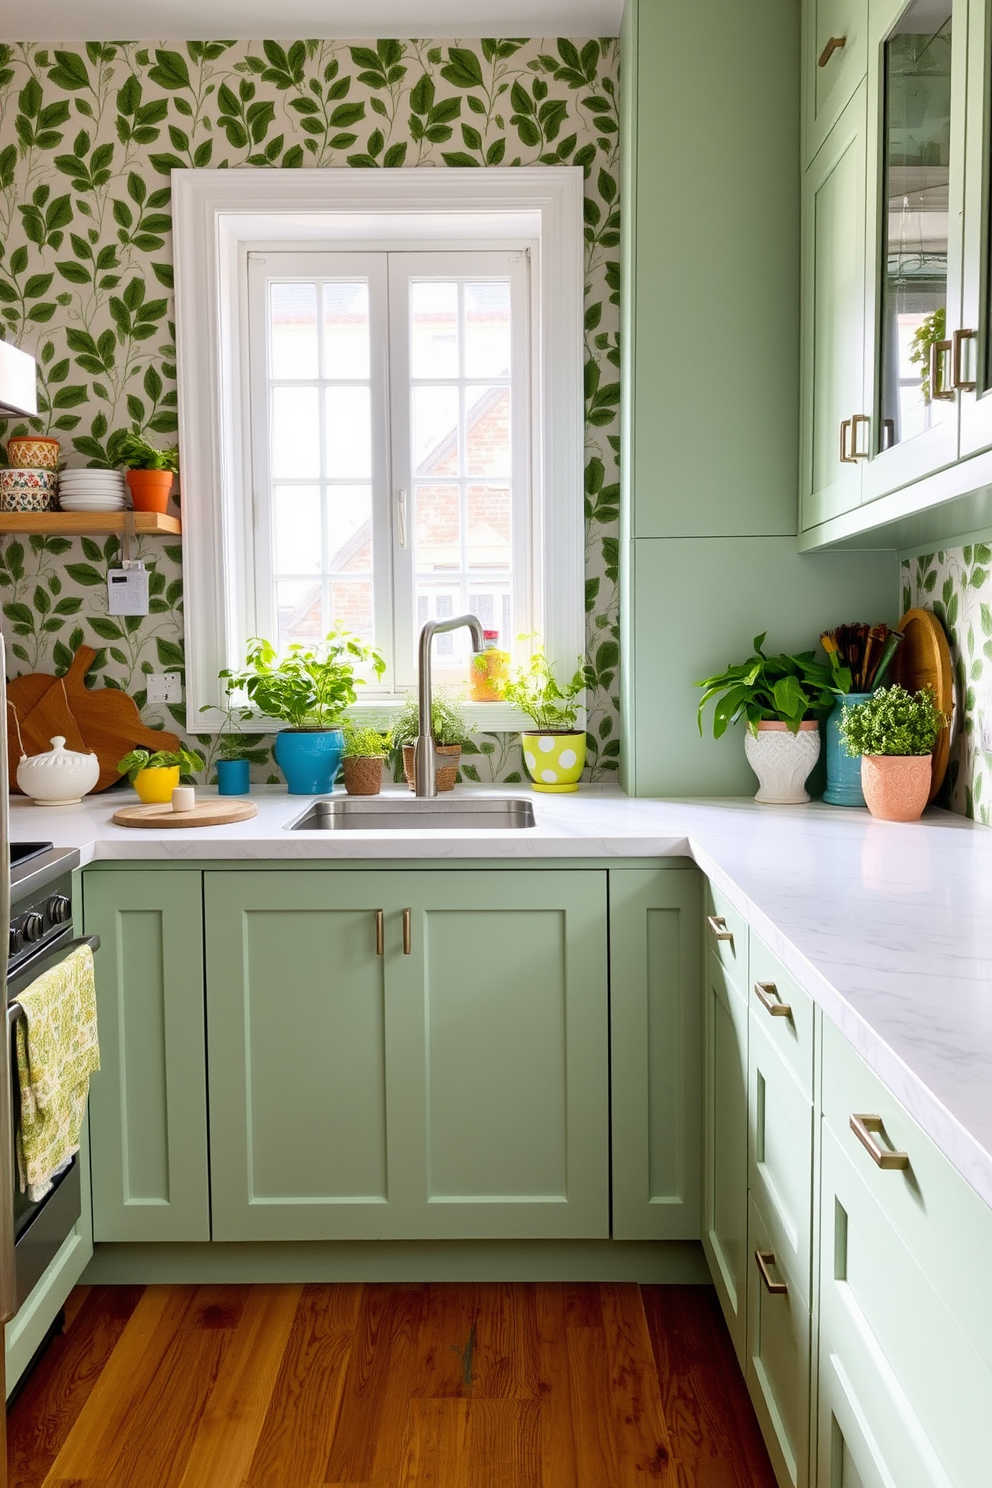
x=780, y=1157
x=453, y=1086
x=725, y=1030
x=148, y=1104
x=777, y=1368
x=655, y=1051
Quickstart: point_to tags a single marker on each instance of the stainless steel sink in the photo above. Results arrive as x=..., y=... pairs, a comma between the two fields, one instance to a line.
x=413, y=814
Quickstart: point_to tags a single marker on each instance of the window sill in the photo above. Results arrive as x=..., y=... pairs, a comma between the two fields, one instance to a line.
x=487, y=718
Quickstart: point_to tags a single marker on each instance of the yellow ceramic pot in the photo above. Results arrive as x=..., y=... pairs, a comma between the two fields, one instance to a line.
x=156, y=783
x=554, y=761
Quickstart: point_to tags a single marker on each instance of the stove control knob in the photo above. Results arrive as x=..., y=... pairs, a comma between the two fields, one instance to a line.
x=34, y=926
x=59, y=909
x=15, y=940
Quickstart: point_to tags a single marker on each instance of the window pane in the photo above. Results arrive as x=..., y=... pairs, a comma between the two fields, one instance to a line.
x=487, y=329
x=438, y=527
x=349, y=529
x=435, y=431
x=488, y=526
x=434, y=329
x=349, y=431
x=351, y=605
x=440, y=602
x=346, y=330
x=297, y=529
x=293, y=330
x=487, y=431
x=295, y=433
x=300, y=610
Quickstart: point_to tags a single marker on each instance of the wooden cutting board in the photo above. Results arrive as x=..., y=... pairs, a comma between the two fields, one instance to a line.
x=204, y=814
x=924, y=660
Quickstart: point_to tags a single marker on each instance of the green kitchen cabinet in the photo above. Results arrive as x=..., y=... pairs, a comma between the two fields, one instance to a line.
x=408, y=1055
x=148, y=1103
x=777, y=1364
x=835, y=58
x=976, y=284
x=655, y=1052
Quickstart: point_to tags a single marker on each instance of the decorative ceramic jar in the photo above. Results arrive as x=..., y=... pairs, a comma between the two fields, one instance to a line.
x=843, y=769
x=362, y=775
x=309, y=759
x=554, y=761
x=446, y=775
x=28, y=490
x=60, y=777
x=896, y=786
x=32, y=452
x=782, y=761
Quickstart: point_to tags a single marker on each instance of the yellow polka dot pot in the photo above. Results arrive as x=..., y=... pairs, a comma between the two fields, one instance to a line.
x=554, y=761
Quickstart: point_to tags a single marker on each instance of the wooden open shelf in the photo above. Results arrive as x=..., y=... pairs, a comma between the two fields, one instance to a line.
x=89, y=524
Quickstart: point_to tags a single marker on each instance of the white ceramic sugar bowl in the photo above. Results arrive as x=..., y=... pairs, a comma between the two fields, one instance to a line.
x=61, y=777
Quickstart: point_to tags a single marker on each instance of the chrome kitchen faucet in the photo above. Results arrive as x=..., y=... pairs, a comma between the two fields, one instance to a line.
x=425, y=756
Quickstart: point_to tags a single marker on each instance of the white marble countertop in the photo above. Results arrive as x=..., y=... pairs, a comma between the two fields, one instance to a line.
x=888, y=926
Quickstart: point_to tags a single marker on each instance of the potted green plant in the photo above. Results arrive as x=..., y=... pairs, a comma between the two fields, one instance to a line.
x=308, y=688
x=449, y=728
x=155, y=775
x=894, y=732
x=148, y=471
x=780, y=698
x=232, y=759
x=365, y=749
x=554, y=749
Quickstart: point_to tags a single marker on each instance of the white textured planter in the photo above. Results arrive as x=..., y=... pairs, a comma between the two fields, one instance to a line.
x=782, y=761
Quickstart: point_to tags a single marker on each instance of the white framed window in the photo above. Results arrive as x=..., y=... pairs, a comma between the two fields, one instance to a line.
x=381, y=412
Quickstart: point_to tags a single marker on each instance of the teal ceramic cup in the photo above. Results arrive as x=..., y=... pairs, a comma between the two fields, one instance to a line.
x=843, y=769
x=233, y=777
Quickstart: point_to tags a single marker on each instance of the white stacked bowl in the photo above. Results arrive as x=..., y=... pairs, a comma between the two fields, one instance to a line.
x=92, y=490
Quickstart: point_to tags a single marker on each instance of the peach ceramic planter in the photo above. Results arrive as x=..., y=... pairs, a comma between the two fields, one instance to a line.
x=150, y=489
x=896, y=786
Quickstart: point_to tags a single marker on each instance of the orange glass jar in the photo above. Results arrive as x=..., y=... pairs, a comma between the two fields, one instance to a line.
x=489, y=671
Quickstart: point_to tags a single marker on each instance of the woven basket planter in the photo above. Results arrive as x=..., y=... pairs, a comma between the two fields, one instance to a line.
x=446, y=774
x=362, y=775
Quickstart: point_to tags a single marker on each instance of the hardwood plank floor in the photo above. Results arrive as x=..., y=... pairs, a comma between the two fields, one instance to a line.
x=421, y=1386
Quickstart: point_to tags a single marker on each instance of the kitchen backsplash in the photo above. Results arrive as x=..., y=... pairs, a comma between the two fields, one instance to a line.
x=956, y=583
x=88, y=135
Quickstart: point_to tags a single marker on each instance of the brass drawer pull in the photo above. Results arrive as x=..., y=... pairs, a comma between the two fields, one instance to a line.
x=833, y=45
x=863, y=1128
x=957, y=342
x=406, y=932
x=764, y=1259
x=378, y=933
x=938, y=392
x=767, y=995
x=845, y=458
x=719, y=927
x=857, y=420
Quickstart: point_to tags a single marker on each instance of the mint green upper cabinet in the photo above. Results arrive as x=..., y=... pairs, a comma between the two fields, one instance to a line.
x=454, y=1085
x=148, y=1104
x=655, y=1051
x=834, y=319
x=976, y=314
x=835, y=55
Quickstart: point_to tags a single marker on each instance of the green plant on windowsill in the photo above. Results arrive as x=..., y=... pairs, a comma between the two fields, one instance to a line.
x=769, y=689
x=366, y=743
x=190, y=762
x=308, y=687
x=892, y=722
x=448, y=722
x=552, y=706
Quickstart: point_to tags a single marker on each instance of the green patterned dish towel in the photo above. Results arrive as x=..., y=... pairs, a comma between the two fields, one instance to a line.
x=57, y=1051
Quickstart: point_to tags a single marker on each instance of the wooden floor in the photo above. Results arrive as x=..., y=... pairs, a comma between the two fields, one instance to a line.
x=435, y=1386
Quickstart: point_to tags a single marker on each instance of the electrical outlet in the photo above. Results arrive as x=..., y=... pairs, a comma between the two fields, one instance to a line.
x=164, y=687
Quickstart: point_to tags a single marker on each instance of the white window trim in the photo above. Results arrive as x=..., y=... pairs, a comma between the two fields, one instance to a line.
x=216, y=213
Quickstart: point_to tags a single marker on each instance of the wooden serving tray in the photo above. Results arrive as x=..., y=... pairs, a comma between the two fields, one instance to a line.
x=204, y=814
x=924, y=660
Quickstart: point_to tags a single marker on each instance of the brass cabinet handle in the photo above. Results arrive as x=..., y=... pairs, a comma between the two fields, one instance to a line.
x=767, y=995
x=845, y=458
x=858, y=419
x=406, y=932
x=863, y=1128
x=938, y=392
x=379, y=937
x=719, y=927
x=833, y=45
x=957, y=342
x=764, y=1259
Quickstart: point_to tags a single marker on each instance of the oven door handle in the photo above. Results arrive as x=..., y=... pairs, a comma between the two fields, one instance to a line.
x=45, y=963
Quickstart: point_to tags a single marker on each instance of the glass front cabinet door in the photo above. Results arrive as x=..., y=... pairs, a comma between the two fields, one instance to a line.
x=973, y=351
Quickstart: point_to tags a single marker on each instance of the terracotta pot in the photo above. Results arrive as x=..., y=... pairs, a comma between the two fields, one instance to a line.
x=362, y=775
x=150, y=489
x=896, y=786
x=782, y=760
x=446, y=774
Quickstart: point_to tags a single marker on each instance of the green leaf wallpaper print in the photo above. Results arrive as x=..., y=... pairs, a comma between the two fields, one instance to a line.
x=89, y=133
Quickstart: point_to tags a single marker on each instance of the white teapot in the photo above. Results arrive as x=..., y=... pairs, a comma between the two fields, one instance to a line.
x=61, y=777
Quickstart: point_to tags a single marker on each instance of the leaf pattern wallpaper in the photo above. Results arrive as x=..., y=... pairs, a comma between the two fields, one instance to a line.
x=89, y=134
x=957, y=585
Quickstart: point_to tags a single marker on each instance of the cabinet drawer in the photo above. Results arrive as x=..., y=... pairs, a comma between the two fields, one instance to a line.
x=778, y=1343
x=943, y=1223
x=902, y=1359
x=725, y=1146
x=773, y=990
x=828, y=89
x=725, y=931
x=780, y=1154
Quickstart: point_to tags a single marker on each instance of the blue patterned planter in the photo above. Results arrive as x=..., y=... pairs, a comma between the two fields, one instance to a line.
x=309, y=759
x=843, y=769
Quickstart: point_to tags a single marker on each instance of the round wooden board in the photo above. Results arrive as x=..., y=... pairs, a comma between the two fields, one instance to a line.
x=204, y=814
x=924, y=660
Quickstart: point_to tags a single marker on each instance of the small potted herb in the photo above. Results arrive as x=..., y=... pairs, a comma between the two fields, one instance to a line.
x=308, y=688
x=449, y=728
x=365, y=749
x=894, y=732
x=554, y=749
x=780, y=698
x=148, y=471
x=232, y=761
x=156, y=775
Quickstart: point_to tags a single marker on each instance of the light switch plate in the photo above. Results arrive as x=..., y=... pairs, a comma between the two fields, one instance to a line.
x=164, y=687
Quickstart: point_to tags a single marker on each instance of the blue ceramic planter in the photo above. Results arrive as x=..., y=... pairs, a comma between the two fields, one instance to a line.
x=232, y=777
x=309, y=759
x=843, y=769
